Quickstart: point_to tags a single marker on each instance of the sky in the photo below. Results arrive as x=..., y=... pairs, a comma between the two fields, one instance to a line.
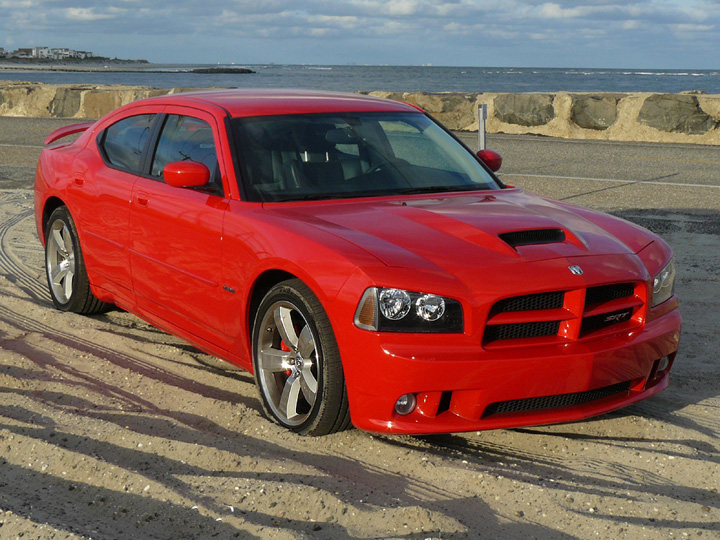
x=657, y=34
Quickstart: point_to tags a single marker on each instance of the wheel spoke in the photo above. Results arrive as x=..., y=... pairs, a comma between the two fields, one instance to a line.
x=306, y=343
x=289, y=398
x=59, y=240
x=284, y=324
x=308, y=384
x=274, y=360
x=67, y=242
x=58, y=274
x=68, y=285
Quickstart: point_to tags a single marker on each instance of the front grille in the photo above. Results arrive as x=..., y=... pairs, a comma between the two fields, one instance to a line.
x=581, y=313
x=521, y=330
x=534, y=236
x=598, y=322
x=530, y=302
x=607, y=293
x=553, y=402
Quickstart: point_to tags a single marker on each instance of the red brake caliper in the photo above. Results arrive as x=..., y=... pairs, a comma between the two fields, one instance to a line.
x=285, y=348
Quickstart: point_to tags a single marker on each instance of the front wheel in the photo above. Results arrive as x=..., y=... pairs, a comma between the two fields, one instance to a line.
x=65, y=266
x=297, y=363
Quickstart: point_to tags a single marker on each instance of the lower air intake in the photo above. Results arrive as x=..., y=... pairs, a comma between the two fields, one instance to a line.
x=553, y=402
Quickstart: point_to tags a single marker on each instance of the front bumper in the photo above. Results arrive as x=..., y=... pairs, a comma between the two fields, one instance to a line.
x=461, y=386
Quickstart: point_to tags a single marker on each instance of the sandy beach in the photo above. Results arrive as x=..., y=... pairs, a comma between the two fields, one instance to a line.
x=111, y=429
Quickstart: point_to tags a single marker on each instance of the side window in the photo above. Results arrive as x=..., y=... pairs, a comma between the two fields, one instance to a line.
x=184, y=138
x=123, y=142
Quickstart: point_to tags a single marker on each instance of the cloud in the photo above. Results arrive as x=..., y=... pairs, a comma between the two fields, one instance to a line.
x=694, y=27
x=630, y=25
x=371, y=31
x=556, y=11
x=88, y=14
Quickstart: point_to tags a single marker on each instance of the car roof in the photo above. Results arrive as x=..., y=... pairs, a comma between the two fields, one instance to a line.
x=261, y=102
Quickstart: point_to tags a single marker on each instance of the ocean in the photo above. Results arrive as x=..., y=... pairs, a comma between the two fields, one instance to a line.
x=394, y=78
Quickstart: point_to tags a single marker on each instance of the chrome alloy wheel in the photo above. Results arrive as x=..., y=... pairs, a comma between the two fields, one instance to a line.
x=60, y=261
x=288, y=358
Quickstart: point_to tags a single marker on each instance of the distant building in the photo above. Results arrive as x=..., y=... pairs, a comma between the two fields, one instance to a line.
x=41, y=52
x=59, y=53
x=55, y=53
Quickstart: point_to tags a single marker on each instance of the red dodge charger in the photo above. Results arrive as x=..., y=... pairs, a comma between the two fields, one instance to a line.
x=363, y=263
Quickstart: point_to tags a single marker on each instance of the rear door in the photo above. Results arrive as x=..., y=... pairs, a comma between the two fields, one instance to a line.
x=103, y=176
x=176, y=233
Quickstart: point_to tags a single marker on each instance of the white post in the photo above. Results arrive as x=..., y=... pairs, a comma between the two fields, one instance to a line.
x=482, y=117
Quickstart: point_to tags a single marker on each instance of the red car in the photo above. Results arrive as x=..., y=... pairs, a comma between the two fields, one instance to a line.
x=356, y=257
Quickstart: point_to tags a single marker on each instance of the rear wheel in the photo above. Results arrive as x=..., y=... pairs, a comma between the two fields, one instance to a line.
x=65, y=266
x=297, y=363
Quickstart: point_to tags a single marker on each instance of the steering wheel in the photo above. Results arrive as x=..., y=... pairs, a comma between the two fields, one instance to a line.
x=394, y=163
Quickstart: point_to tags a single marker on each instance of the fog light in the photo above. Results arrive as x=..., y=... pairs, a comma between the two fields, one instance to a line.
x=664, y=363
x=405, y=404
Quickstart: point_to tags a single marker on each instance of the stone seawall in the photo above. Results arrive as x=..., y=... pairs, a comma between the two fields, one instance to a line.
x=675, y=118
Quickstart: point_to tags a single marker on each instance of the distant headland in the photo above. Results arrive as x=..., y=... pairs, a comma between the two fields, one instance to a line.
x=50, y=55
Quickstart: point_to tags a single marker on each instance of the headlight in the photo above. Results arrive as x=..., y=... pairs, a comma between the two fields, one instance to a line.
x=398, y=310
x=664, y=284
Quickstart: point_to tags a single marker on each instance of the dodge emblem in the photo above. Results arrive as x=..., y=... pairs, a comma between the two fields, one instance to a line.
x=576, y=270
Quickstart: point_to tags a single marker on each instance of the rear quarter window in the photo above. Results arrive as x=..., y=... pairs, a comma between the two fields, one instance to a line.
x=123, y=143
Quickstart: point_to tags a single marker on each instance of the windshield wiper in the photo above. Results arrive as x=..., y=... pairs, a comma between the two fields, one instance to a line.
x=437, y=189
x=308, y=197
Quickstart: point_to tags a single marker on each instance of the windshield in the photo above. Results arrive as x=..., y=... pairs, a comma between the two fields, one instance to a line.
x=329, y=156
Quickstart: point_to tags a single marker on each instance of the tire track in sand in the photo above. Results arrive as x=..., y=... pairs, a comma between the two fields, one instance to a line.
x=12, y=266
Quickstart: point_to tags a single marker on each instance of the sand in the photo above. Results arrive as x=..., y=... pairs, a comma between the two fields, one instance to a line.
x=110, y=428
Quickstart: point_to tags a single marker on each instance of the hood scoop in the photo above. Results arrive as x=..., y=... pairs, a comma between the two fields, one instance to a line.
x=532, y=237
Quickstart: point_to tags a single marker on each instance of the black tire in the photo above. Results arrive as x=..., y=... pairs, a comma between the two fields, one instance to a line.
x=297, y=363
x=65, y=267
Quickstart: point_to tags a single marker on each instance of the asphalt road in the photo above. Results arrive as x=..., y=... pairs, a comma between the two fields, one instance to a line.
x=536, y=157
x=665, y=182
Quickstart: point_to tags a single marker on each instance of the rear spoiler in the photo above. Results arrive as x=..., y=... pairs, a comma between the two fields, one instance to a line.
x=67, y=130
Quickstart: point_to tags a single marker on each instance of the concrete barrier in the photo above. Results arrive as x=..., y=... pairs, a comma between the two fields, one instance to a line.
x=643, y=117
x=646, y=117
x=70, y=101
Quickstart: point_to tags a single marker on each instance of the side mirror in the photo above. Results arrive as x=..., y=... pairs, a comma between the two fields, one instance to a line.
x=490, y=158
x=182, y=174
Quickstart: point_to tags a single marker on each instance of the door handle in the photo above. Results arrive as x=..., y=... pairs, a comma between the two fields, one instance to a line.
x=79, y=179
x=142, y=199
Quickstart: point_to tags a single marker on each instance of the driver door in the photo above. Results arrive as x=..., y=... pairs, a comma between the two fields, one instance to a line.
x=176, y=233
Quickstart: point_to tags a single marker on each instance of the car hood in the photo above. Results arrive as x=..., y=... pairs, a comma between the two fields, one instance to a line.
x=460, y=230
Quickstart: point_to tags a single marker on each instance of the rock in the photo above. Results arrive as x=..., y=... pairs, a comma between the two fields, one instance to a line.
x=452, y=109
x=14, y=96
x=594, y=112
x=524, y=109
x=222, y=70
x=66, y=102
x=97, y=103
x=676, y=113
